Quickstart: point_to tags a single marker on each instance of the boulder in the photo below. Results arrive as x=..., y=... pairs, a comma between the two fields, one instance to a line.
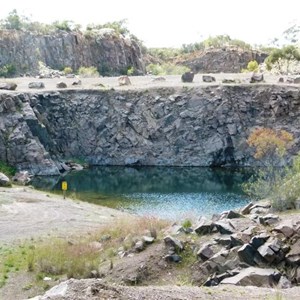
x=257, y=77
x=254, y=277
x=11, y=86
x=172, y=242
x=187, y=77
x=284, y=283
x=297, y=80
x=204, y=227
x=205, y=252
x=224, y=241
x=124, y=80
x=22, y=177
x=271, y=250
x=4, y=180
x=293, y=256
x=227, y=80
x=258, y=240
x=239, y=239
x=148, y=239
x=267, y=253
x=36, y=85
x=224, y=227
x=286, y=228
x=139, y=246
x=246, y=209
x=233, y=215
x=246, y=254
x=281, y=80
x=77, y=82
x=268, y=219
x=208, y=78
x=173, y=258
x=61, y=85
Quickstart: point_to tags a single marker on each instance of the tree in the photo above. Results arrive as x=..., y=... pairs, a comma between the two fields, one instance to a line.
x=287, y=53
x=13, y=21
x=273, y=181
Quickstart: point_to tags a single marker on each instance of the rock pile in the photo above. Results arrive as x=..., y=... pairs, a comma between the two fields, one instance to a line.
x=258, y=249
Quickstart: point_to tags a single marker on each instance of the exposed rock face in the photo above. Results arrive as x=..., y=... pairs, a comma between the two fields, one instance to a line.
x=202, y=126
x=222, y=60
x=110, y=53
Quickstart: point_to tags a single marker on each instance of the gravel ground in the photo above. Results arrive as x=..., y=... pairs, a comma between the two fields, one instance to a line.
x=138, y=82
x=27, y=213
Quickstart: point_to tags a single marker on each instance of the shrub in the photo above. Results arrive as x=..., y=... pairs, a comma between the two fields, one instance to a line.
x=187, y=224
x=278, y=184
x=67, y=70
x=7, y=169
x=7, y=70
x=130, y=71
x=252, y=66
x=88, y=72
x=166, y=69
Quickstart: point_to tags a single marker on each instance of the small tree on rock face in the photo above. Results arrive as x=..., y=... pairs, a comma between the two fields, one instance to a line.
x=270, y=182
x=270, y=145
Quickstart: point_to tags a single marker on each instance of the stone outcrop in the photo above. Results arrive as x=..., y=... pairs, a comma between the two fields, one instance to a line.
x=201, y=126
x=104, y=49
x=227, y=60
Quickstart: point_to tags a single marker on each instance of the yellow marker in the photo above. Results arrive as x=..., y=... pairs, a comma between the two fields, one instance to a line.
x=64, y=185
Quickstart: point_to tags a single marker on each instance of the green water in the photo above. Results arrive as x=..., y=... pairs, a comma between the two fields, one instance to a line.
x=166, y=192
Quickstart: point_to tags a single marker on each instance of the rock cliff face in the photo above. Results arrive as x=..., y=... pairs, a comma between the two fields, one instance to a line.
x=188, y=126
x=222, y=60
x=110, y=53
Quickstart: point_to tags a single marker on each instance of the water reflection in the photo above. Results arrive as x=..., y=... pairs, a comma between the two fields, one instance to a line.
x=169, y=192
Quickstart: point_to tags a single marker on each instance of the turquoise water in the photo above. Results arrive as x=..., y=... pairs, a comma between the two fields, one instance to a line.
x=166, y=192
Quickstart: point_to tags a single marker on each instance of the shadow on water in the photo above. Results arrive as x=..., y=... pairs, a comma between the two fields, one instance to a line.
x=167, y=192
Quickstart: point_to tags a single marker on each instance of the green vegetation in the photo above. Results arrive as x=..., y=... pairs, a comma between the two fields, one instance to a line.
x=278, y=184
x=7, y=70
x=88, y=72
x=67, y=70
x=7, y=169
x=252, y=66
x=76, y=258
x=286, y=54
x=118, y=26
x=219, y=41
x=166, y=69
x=187, y=224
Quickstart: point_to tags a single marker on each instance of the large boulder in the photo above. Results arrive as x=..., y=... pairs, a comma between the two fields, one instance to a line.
x=22, y=178
x=293, y=256
x=208, y=78
x=204, y=227
x=10, y=86
x=255, y=277
x=172, y=242
x=187, y=77
x=4, y=180
x=36, y=85
x=124, y=80
x=257, y=77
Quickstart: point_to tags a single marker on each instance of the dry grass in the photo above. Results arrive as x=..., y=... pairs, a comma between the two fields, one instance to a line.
x=78, y=258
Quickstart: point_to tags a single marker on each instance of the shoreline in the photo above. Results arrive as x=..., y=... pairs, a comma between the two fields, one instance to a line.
x=27, y=213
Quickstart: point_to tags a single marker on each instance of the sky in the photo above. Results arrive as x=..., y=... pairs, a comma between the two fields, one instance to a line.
x=171, y=23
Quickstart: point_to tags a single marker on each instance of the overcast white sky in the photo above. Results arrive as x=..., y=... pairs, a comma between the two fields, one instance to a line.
x=171, y=23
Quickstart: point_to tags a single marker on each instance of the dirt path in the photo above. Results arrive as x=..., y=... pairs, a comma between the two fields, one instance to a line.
x=27, y=213
x=137, y=82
